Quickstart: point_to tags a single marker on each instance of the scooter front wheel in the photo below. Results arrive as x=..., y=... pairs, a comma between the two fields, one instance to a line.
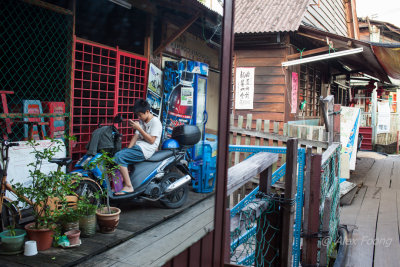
x=90, y=190
x=177, y=197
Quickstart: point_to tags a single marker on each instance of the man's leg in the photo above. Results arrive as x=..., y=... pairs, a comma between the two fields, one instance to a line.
x=124, y=158
x=126, y=179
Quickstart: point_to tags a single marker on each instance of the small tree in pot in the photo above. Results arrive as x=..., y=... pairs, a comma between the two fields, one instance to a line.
x=47, y=193
x=107, y=217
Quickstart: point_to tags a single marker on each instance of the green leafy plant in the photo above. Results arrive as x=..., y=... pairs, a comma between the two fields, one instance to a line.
x=85, y=208
x=11, y=230
x=70, y=215
x=47, y=192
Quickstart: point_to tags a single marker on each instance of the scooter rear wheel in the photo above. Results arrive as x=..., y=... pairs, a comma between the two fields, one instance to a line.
x=176, y=198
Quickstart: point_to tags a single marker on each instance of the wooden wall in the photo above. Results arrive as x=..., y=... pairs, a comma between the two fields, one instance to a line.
x=213, y=85
x=329, y=15
x=199, y=254
x=269, y=82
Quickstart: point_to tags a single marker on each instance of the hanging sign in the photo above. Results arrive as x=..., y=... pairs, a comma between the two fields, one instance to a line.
x=244, y=92
x=349, y=128
x=154, y=91
x=295, y=86
x=383, y=117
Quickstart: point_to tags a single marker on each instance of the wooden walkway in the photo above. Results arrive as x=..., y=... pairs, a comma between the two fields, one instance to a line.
x=140, y=220
x=374, y=215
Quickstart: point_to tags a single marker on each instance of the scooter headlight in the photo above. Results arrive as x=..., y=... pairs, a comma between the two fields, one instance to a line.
x=86, y=161
x=82, y=162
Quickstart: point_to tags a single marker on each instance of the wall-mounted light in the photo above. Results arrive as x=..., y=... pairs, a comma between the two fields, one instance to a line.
x=122, y=3
x=322, y=57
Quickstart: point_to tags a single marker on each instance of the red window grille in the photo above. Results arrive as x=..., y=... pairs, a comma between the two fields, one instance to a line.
x=106, y=83
x=132, y=85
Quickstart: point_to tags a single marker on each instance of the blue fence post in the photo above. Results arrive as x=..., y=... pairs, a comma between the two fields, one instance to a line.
x=299, y=206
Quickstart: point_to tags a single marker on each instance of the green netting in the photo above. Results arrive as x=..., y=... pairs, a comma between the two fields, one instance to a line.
x=35, y=64
x=330, y=188
x=255, y=240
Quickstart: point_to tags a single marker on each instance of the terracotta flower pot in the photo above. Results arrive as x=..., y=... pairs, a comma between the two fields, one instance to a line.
x=73, y=237
x=70, y=226
x=108, y=222
x=43, y=237
x=87, y=225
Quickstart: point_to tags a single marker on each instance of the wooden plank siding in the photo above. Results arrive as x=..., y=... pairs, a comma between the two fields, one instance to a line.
x=330, y=16
x=269, y=82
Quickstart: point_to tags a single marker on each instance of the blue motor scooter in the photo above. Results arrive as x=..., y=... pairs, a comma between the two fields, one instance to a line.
x=164, y=177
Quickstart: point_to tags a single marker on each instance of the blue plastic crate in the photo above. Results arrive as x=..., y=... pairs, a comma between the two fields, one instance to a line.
x=204, y=169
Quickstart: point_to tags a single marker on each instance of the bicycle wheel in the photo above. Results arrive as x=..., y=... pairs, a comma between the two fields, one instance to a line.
x=89, y=189
x=9, y=215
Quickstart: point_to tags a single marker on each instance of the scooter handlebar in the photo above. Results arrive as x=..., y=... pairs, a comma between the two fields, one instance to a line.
x=9, y=144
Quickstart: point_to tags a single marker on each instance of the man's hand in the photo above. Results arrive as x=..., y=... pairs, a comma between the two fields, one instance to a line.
x=134, y=124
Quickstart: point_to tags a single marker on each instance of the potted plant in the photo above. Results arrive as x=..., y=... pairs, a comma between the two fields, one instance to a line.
x=47, y=194
x=107, y=217
x=70, y=219
x=87, y=220
x=12, y=241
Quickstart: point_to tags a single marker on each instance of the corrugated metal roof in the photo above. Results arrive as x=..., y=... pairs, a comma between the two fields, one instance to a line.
x=261, y=16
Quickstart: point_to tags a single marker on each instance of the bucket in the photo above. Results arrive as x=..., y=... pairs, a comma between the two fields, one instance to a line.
x=12, y=242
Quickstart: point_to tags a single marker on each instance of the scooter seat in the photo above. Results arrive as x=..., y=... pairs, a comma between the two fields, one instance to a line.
x=61, y=161
x=160, y=155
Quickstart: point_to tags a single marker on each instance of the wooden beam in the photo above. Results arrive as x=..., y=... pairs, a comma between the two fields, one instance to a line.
x=306, y=197
x=328, y=153
x=325, y=228
x=336, y=123
x=176, y=34
x=288, y=208
x=241, y=173
x=253, y=211
x=268, y=238
x=49, y=6
x=313, y=211
x=309, y=52
x=322, y=144
x=312, y=37
x=227, y=255
x=148, y=39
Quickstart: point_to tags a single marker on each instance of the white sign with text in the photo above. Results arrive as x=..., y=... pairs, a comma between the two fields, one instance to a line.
x=244, y=93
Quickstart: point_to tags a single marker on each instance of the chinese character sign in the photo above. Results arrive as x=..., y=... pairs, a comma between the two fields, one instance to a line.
x=295, y=85
x=244, y=92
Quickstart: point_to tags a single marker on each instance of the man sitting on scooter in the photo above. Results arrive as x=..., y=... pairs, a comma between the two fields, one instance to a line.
x=143, y=144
